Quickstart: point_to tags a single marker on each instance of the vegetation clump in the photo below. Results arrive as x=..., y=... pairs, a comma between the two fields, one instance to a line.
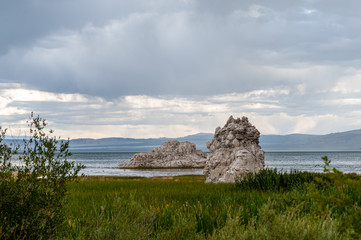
x=33, y=183
x=274, y=180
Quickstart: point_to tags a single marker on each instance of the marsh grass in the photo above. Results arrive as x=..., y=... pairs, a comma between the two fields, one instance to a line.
x=274, y=180
x=293, y=206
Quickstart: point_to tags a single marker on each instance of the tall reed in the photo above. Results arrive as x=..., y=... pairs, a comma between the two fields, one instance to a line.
x=274, y=180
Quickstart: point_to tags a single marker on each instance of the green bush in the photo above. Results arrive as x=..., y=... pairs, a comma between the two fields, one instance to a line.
x=33, y=183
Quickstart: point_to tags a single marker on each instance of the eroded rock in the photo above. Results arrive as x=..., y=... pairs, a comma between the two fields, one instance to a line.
x=172, y=154
x=234, y=152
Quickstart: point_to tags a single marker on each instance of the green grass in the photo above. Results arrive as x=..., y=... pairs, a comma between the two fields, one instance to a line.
x=290, y=206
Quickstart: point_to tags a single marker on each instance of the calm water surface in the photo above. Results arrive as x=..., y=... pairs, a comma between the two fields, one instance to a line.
x=105, y=163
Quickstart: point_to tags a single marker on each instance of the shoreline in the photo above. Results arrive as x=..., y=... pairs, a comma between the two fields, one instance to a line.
x=155, y=168
x=196, y=178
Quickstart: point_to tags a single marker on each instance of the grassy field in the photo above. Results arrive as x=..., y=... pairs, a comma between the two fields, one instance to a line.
x=270, y=205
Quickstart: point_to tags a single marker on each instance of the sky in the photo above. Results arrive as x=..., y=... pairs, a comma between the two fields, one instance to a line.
x=171, y=68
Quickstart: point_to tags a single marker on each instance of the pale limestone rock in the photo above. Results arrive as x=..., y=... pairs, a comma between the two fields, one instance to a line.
x=234, y=152
x=172, y=154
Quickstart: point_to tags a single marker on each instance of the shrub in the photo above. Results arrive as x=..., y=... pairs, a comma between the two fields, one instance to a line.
x=341, y=194
x=33, y=183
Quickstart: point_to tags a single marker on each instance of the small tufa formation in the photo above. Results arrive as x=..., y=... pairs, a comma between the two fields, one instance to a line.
x=172, y=154
x=234, y=152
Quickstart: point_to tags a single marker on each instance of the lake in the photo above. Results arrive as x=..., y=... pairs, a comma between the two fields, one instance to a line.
x=104, y=163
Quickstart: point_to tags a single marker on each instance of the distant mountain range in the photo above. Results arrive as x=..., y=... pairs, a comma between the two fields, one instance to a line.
x=342, y=141
x=347, y=141
x=133, y=144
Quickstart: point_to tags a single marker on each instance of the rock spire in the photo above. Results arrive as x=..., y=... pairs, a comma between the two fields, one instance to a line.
x=234, y=151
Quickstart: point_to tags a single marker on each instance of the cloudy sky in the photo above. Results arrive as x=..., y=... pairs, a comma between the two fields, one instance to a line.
x=154, y=68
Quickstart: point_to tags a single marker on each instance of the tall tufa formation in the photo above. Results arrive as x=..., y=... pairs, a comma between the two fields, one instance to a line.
x=234, y=152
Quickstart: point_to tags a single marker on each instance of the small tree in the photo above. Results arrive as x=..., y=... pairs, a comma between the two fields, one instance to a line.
x=33, y=183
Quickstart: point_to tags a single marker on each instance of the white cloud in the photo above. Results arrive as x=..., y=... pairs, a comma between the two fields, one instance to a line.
x=10, y=111
x=253, y=95
x=26, y=95
x=139, y=116
x=347, y=101
x=350, y=83
x=255, y=106
x=301, y=89
x=309, y=11
x=254, y=11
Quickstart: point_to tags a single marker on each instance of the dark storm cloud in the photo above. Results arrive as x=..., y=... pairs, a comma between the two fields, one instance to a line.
x=23, y=22
x=115, y=48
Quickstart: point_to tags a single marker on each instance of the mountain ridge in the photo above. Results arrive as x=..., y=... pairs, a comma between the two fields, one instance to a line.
x=339, y=141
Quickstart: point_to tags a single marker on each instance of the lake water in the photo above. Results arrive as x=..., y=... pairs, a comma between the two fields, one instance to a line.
x=105, y=163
